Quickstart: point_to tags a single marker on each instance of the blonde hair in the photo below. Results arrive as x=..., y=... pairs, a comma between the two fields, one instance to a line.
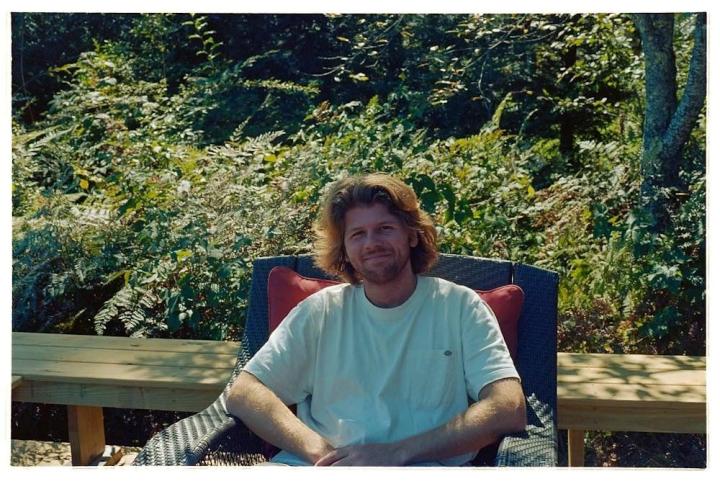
x=368, y=189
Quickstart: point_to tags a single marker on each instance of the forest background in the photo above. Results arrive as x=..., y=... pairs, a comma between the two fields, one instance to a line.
x=154, y=156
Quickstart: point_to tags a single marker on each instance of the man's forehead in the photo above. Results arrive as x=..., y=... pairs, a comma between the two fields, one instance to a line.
x=362, y=214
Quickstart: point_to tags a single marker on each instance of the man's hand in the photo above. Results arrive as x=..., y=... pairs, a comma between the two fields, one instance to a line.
x=364, y=455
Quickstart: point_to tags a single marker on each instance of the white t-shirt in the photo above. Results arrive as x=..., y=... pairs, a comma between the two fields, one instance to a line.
x=364, y=374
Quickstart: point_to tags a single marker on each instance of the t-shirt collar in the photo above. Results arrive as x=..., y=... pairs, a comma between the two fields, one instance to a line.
x=397, y=312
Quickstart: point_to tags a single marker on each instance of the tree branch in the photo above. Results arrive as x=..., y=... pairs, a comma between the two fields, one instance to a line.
x=693, y=99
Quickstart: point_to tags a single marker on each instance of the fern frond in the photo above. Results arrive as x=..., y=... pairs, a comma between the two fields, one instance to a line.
x=113, y=307
x=238, y=151
x=89, y=215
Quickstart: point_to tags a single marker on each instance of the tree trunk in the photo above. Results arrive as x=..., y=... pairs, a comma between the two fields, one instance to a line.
x=667, y=123
x=567, y=122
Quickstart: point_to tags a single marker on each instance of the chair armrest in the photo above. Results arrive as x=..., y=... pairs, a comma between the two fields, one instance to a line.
x=537, y=445
x=187, y=441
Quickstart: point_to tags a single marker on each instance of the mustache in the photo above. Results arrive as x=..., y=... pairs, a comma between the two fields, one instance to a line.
x=376, y=253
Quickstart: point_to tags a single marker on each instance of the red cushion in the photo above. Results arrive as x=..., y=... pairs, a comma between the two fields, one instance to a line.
x=286, y=288
x=506, y=302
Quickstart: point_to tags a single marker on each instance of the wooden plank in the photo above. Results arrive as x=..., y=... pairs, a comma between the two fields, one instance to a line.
x=128, y=375
x=87, y=434
x=622, y=380
x=630, y=394
x=174, y=375
x=122, y=356
x=630, y=361
x=576, y=448
x=680, y=377
x=640, y=417
x=116, y=342
x=115, y=396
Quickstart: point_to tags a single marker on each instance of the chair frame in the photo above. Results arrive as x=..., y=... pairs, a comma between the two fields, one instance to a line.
x=214, y=437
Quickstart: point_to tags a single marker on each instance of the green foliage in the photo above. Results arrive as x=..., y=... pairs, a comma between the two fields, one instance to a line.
x=41, y=41
x=220, y=103
x=449, y=73
x=208, y=46
x=176, y=154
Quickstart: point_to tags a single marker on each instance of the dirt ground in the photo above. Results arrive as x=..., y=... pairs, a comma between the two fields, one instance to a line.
x=47, y=453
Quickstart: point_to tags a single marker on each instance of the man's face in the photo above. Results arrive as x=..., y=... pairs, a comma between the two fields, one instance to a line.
x=377, y=243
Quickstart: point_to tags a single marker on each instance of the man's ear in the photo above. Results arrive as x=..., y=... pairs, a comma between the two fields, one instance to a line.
x=414, y=238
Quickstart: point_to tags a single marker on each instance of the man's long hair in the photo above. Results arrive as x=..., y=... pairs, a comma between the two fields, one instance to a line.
x=366, y=190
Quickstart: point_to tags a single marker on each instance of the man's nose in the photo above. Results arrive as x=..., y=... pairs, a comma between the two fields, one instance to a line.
x=372, y=241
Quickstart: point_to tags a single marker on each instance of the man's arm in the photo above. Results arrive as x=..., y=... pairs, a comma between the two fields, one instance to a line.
x=268, y=417
x=500, y=410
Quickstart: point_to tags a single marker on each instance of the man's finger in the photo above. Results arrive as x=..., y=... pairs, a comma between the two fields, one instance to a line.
x=329, y=458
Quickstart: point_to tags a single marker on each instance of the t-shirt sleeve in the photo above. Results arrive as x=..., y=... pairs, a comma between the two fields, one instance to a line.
x=485, y=355
x=286, y=362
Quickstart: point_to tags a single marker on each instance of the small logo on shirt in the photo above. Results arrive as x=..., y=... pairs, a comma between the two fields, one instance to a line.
x=447, y=353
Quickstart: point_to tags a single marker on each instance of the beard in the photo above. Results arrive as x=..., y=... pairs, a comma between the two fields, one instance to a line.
x=386, y=272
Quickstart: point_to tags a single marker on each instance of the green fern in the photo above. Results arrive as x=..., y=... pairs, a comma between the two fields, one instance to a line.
x=133, y=307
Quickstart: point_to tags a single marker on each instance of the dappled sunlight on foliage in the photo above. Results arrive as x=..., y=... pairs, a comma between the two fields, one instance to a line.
x=138, y=208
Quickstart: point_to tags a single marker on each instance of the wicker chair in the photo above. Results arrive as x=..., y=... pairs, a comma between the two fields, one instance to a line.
x=213, y=437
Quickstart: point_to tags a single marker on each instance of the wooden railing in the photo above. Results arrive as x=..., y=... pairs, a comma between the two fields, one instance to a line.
x=605, y=392
x=628, y=392
x=87, y=373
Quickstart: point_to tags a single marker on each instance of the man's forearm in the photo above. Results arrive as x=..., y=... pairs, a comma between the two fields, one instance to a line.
x=266, y=415
x=499, y=411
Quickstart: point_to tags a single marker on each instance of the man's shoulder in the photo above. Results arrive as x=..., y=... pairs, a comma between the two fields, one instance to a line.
x=330, y=294
x=312, y=309
x=445, y=288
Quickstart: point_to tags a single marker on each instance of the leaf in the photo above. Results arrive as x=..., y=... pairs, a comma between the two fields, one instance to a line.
x=115, y=275
x=242, y=241
x=128, y=206
x=497, y=115
x=182, y=254
x=173, y=321
x=449, y=195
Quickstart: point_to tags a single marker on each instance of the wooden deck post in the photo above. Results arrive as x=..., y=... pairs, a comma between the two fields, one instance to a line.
x=87, y=434
x=576, y=447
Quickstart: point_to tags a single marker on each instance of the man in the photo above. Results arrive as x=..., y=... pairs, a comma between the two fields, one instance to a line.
x=381, y=367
